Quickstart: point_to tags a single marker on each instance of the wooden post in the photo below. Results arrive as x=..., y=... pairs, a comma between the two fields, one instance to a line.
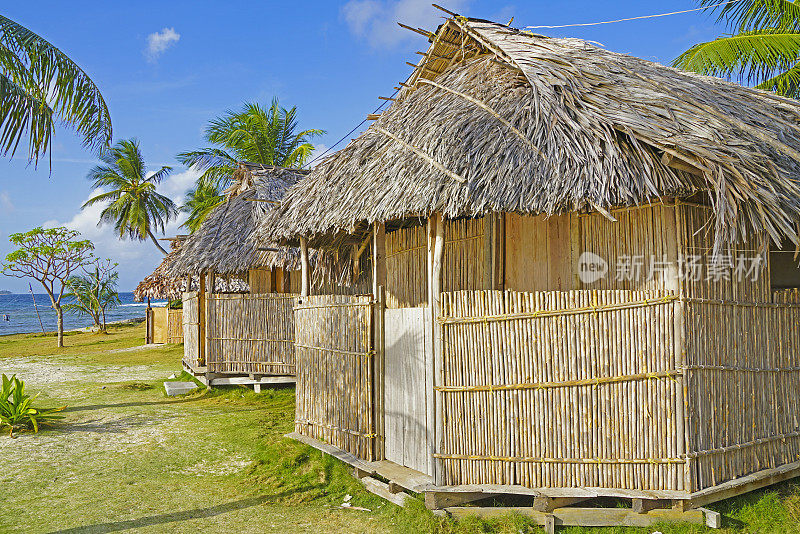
x=305, y=285
x=273, y=280
x=378, y=287
x=488, y=251
x=435, y=257
x=201, y=320
x=499, y=252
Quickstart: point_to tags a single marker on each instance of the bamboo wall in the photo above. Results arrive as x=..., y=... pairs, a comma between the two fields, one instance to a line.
x=191, y=330
x=407, y=261
x=581, y=393
x=742, y=366
x=175, y=326
x=407, y=267
x=647, y=232
x=334, y=354
x=251, y=333
x=261, y=280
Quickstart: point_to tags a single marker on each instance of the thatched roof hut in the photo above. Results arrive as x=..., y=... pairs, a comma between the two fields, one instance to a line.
x=498, y=119
x=514, y=345
x=222, y=243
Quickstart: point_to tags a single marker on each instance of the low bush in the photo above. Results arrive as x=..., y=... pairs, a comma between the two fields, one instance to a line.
x=16, y=407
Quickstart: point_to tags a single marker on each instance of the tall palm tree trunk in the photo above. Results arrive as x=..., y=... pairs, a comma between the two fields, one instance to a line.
x=155, y=241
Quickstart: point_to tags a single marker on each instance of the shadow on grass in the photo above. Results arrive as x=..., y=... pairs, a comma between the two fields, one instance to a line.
x=185, y=515
x=128, y=404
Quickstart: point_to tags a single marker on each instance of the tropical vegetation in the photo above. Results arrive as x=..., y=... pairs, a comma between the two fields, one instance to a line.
x=39, y=87
x=762, y=50
x=50, y=256
x=132, y=203
x=200, y=200
x=17, y=410
x=93, y=292
x=254, y=134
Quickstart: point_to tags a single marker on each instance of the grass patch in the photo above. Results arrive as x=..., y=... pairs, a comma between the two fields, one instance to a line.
x=216, y=460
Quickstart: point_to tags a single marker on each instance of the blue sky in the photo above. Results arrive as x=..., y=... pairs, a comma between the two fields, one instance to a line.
x=166, y=68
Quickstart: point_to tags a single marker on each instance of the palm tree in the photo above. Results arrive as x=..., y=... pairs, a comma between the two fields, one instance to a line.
x=39, y=86
x=764, y=49
x=254, y=134
x=199, y=202
x=134, y=206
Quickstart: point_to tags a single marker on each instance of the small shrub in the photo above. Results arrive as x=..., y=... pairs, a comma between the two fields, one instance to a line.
x=16, y=407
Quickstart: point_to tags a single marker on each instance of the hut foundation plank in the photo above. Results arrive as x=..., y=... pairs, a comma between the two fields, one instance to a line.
x=435, y=500
x=543, y=503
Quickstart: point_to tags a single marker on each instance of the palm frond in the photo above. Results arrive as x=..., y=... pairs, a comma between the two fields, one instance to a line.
x=51, y=76
x=23, y=114
x=752, y=57
x=751, y=15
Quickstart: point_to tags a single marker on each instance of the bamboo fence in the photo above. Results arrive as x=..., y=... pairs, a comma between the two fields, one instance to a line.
x=559, y=389
x=191, y=330
x=251, y=333
x=464, y=262
x=175, y=326
x=742, y=362
x=335, y=369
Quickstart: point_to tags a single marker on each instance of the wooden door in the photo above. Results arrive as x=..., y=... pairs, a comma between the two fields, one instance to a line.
x=408, y=388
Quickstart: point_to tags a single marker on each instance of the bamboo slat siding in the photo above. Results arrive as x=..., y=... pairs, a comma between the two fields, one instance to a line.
x=251, y=333
x=407, y=267
x=645, y=232
x=175, y=326
x=407, y=261
x=463, y=255
x=743, y=364
x=334, y=354
x=743, y=375
x=191, y=330
x=698, y=239
x=581, y=396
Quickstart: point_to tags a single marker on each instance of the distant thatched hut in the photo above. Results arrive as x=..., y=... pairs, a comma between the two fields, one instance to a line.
x=537, y=208
x=240, y=336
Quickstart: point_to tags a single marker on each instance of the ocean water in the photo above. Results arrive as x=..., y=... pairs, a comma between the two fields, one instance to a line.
x=22, y=315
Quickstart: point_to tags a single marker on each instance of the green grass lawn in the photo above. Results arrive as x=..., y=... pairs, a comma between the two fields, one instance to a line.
x=127, y=458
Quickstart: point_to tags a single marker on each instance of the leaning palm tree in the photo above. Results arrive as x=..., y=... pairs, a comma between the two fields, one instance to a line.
x=39, y=86
x=199, y=202
x=763, y=50
x=133, y=205
x=254, y=134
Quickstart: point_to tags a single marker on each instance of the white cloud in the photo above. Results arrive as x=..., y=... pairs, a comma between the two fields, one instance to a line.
x=376, y=20
x=158, y=42
x=5, y=202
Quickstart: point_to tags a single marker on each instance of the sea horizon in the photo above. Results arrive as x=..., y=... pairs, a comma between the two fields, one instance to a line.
x=18, y=315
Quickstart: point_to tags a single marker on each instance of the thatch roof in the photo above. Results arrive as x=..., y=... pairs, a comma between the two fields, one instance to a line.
x=160, y=285
x=496, y=119
x=222, y=243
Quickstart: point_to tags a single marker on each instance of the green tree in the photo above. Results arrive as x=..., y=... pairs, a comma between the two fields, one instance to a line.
x=254, y=134
x=39, y=86
x=133, y=205
x=200, y=200
x=763, y=48
x=50, y=256
x=92, y=293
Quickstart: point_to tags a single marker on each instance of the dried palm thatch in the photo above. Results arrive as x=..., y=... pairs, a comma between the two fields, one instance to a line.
x=160, y=285
x=496, y=119
x=222, y=243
